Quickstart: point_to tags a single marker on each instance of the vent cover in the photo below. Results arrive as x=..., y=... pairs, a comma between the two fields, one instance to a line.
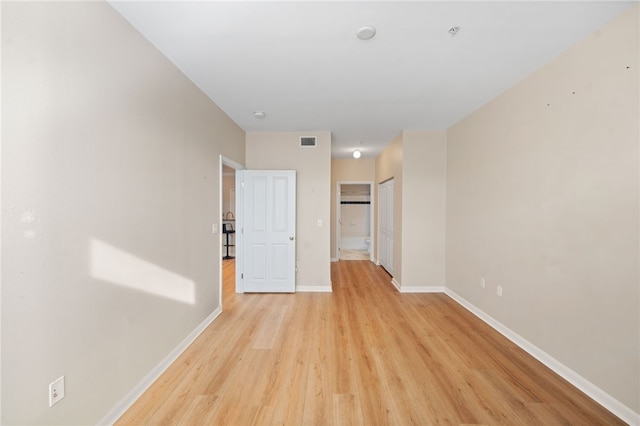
x=308, y=141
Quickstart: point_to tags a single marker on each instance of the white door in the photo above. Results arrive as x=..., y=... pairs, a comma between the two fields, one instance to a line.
x=268, y=228
x=385, y=225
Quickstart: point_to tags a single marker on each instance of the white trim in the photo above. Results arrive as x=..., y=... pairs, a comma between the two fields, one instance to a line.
x=396, y=284
x=333, y=259
x=229, y=162
x=239, y=231
x=601, y=397
x=121, y=407
x=314, y=289
x=422, y=289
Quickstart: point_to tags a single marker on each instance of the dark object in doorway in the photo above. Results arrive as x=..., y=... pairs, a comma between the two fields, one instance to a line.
x=227, y=228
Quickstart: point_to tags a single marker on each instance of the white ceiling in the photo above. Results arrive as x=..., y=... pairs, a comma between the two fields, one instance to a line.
x=301, y=63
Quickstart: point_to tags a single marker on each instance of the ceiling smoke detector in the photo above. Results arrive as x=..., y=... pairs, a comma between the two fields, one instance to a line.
x=365, y=33
x=259, y=114
x=454, y=30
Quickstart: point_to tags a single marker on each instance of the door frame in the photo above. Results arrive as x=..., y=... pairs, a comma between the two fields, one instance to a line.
x=224, y=161
x=389, y=265
x=371, y=214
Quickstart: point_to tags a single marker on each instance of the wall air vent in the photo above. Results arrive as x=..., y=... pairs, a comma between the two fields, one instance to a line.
x=308, y=141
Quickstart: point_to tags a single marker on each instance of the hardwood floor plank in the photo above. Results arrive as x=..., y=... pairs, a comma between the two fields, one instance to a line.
x=269, y=327
x=346, y=410
x=362, y=355
x=318, y=403
x=199, y=409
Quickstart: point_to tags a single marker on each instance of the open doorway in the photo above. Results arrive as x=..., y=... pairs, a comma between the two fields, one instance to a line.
x=227, y=226
x=354, y=220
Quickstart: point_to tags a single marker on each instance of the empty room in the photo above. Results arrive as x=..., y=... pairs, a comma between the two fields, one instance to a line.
x=359, y=213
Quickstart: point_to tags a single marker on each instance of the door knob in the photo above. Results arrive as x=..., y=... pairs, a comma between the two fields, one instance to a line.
x=290, y=238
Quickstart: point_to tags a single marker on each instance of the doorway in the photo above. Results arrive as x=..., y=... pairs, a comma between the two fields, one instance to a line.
x=354, y=220
x=228, y=214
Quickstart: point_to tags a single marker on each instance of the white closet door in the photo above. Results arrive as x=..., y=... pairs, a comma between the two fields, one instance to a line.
x=385, y=225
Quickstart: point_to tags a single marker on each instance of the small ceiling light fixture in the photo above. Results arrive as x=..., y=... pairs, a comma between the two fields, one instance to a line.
x=365, y=33
x=357, y=153
x=259, y=114
x=454, y=30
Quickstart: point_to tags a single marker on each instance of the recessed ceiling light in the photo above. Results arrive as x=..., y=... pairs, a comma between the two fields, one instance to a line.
x=259, y=114
x=366, y=32
x=356, y=153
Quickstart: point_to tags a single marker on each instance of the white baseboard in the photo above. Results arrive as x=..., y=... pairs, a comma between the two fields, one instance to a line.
x=601, y=397
x=153, y=375
x=422, y=289
x=314, y=289
x=395, y=283
x=610, y=403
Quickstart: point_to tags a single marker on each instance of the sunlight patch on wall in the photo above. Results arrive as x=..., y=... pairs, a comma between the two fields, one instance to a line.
x=108, y=263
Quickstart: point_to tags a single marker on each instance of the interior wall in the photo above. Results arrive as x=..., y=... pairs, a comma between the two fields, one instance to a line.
x=110, y=173
x=228, y=183
x=543, y=200
x=348, y=169
x=389, y=165
x=423, y=210
x=265, y=151
x=228, y=210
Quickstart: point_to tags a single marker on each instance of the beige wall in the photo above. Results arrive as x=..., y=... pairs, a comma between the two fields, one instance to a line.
x=110, y=156
x=228, y=183
x=313, y=166
x=423, y=209
x=542, y=199
x=389, y=165
x=361, y=170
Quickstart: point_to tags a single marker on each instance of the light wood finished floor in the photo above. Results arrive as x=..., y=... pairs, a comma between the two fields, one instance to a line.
x=363, y=355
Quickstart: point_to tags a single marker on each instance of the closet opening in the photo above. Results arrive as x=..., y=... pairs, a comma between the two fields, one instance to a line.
x=354, y=221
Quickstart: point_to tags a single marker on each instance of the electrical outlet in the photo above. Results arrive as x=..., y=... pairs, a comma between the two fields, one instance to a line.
x=499, y=290
x=56, y=391
x=482, y=284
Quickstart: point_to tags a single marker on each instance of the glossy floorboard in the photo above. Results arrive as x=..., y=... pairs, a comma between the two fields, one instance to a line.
x=362, y=355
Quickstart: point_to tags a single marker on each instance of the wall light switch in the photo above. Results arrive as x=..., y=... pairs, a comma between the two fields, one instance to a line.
x=214, y=228
x=499, y=290
x=319, y=223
